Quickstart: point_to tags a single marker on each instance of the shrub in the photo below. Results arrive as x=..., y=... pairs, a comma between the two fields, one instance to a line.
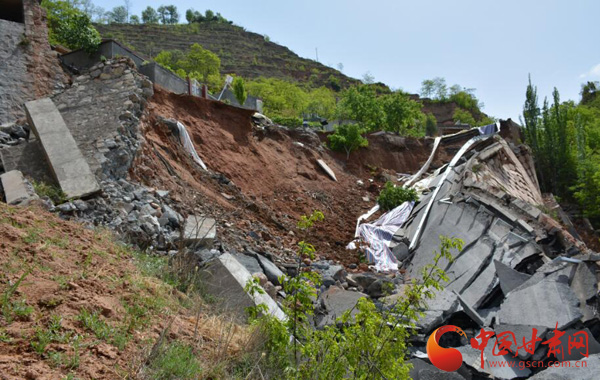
x=177, y=361
x=239, y=90
x=391, y=196
x=70, y=27
x=293, y=122
x=348, y=138
x=464, y=116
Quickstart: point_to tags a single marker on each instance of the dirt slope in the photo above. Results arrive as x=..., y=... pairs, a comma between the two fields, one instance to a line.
x=68, y=271
x=274, y=174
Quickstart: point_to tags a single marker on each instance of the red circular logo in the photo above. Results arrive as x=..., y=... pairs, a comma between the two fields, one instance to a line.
x=446, y=359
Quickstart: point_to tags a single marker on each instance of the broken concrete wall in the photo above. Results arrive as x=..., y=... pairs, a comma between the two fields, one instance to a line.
x=101, y=111
x=29, y=68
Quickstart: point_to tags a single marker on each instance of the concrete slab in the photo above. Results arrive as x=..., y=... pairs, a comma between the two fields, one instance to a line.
x=509, y=278
x=327, y=169
x=17, y=191
x=68, y=165
x=199, y=230
x=545, y=303
x=224, y=278
x=523, y=333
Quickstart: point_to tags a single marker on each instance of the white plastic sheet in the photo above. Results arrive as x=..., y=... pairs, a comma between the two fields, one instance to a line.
x=184, y=137
x=379, y=234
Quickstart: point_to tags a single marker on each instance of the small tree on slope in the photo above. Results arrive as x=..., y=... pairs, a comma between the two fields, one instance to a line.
x=348, y=138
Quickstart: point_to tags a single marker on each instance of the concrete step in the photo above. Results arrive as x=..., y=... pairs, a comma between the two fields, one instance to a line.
x=68, y=165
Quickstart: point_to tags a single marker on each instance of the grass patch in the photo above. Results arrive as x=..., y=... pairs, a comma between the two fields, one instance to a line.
x=91, y=321
x=175, y=361
x=15, y=309
x=54, y=193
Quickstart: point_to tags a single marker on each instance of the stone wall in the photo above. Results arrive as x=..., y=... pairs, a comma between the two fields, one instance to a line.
x=101, y=110
x=29, y=68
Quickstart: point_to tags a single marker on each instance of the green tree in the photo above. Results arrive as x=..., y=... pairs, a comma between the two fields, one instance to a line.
x=118, y=15
x=402, y=114
x=70, y=26
x=163, y=15
x=464, y=117
x=209, y=15
x=321, y=102
x=348, y=138
x=134, y=19
x=428, y=88
x=200, y=62
x=359, y=103
x=150, y=16
x=239, y=90
x=431, y=128
x=172, y=15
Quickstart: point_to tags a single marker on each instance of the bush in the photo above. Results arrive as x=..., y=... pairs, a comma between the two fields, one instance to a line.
x=391, y=197
x=293, y=122
x=464, y=117
x=239, y=90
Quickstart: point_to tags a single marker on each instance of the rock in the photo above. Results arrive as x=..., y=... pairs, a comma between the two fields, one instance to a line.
x=509, y=278
x=522, y=332
x=81, y=205
x=337, y=272
x=381, y=287
x=172, y=215
x=271, y=270
x=363, y=280
x=66, y=207
x=334, y=302
x=162, y=193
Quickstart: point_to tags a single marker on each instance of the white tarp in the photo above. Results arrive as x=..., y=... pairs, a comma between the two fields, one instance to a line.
x=378, y=235
x=184, y=137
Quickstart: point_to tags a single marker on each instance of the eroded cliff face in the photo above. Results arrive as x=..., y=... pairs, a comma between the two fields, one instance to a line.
x=29, y=68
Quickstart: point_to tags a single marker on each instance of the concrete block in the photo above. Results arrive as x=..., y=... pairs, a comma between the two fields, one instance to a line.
x=327, y=169
x=17, y=191
x=224, y=278
x=68, y=165
x=199, y=230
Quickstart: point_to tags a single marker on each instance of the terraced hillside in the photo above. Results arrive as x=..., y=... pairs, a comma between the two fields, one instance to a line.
x=244, y=53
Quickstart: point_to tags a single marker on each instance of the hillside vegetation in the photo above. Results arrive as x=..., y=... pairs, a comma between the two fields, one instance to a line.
x=244, y=53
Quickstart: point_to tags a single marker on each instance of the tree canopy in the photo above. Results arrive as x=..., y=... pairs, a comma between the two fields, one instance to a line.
x=70, y=26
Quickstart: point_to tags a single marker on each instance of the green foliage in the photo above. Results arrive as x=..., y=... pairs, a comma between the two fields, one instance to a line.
x=431, y=128
x=70, y=27
x=53, y=332
x=56, y=195
x=198, y=63
x=239, y=90
x=292, y=122
x=114, y=335
x=168, y=14
x=14, y=309
x=359, y=103
x=402, y=115
x=392, y=196
x=149, y=16
x=118, y=15
x=348, y=138
x=372, y=343
x=175, y=361
x=435, y=88
x=464, y=117
x=134, y=19
x=565, y=142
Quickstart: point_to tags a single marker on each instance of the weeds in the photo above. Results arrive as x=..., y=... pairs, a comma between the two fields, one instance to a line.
x=91, y=321
x=176, y=361
x=18, y=309
x=52, y=333
x=56, y=195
